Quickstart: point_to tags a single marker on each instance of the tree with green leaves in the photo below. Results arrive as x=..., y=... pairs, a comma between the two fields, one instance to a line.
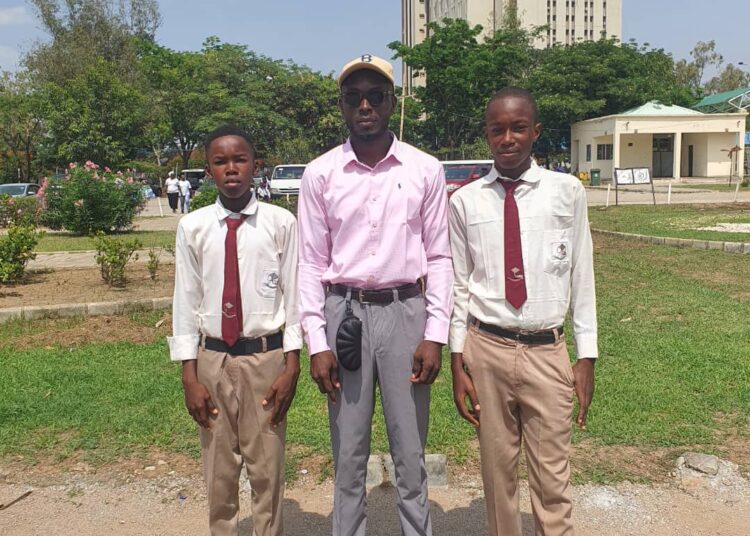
x=596, y=78
x=729, y=79
x=95, y=116
x=21, y=124
x=85, y=31
x=461, y=73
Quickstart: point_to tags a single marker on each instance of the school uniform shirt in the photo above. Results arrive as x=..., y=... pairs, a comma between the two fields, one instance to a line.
x=267, y=260
x=557, y=257
x=374, y=228
x=184, y=187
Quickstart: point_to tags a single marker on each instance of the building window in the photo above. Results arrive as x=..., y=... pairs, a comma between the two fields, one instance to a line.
x=604, y=151
x=588, y=153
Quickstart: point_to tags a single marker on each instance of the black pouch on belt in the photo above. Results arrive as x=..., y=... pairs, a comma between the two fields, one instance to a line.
x=349, y=339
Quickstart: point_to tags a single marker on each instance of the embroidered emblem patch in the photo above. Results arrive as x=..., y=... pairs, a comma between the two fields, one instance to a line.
x=560, y=250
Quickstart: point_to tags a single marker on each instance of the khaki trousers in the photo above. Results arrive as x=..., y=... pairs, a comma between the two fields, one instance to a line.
x=241, y=432
x=525, y=392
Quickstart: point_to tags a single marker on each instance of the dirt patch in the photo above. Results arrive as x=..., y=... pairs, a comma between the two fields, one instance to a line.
x=72, y=332
x=85, y=285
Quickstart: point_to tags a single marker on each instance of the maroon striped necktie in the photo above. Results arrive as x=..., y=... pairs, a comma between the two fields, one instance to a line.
x=515, y=282
x=231, y=298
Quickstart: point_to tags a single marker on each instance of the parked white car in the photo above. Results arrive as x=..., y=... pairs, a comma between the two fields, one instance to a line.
x=286, y=179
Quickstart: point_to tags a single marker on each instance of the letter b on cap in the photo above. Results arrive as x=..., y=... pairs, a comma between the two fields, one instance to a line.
x=367, y=58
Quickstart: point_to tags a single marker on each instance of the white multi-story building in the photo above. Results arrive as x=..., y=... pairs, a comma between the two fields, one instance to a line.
x=566, y=20
x=413, y=32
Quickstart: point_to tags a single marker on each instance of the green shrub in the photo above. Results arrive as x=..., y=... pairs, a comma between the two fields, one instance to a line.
x=207, y=196
x=154, y=260
x=112, y=254
x=89, y=200
x=19, y=210
x=289, y=203
x=16, y=250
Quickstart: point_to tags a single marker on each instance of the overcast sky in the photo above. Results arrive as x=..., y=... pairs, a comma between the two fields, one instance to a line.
x=325, y=34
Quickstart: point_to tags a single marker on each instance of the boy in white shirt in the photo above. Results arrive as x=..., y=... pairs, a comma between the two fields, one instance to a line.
x=184, y=186
x=236, y=331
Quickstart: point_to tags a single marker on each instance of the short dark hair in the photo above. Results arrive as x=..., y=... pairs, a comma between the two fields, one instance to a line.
x=227, y=130
x=519, y=92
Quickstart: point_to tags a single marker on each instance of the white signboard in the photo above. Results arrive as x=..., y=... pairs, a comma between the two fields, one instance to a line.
x=641, y=176
x=624, y=176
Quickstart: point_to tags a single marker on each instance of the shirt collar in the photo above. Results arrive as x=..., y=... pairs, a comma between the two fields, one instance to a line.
x=223, y=213
x=350, y=157
x=530, y=175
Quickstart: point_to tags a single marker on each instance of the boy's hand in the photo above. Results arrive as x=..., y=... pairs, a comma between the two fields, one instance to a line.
x=324, y=370
x=197, y=399
x=583, y=372
x=282, y=391
x=463, y=389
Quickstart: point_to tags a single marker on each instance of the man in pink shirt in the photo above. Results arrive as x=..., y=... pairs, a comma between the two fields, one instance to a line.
x=374, y=243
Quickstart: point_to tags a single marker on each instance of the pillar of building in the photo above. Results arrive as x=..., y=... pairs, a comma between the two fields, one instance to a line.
x=677, y=157
x=615, y=151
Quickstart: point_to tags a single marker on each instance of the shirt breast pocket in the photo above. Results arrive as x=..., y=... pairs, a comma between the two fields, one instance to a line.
x=485, y=242
x=268, y=282
x=557, y=252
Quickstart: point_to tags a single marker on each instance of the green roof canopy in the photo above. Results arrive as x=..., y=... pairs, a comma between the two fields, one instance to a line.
x=655, y=107
x=727, y=102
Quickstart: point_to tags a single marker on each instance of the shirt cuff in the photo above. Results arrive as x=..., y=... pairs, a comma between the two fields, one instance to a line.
x=436, y=330
x=292, y=338
x=317, y=342
x=183, y=347
x=586, y=346
x=457, y=340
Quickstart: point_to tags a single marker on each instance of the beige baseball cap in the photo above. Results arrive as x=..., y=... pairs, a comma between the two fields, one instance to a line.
x=370, y=62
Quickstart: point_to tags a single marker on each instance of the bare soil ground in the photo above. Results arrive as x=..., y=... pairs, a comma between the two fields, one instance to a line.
x=85, y=285
x=168, y=498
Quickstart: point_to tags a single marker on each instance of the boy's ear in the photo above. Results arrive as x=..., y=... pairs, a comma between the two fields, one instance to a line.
x=256, y=167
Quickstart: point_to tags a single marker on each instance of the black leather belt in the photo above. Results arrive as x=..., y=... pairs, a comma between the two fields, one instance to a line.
x=384, y=295
x=548, y=336
x=246, y=346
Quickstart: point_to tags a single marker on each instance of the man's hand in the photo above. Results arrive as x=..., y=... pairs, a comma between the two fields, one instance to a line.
x=197, y=399
x=463, y=389
x=583, y=372
x=426, y=363
x=282, y=391
x=324, y=370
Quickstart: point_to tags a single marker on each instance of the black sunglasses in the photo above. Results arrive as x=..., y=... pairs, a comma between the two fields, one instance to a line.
x=375, y=97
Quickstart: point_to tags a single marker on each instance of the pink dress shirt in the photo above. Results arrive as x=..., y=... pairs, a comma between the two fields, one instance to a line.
x=374, y=228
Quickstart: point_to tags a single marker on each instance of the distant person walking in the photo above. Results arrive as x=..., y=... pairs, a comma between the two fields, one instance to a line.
x=173, y=190
x=184, y=191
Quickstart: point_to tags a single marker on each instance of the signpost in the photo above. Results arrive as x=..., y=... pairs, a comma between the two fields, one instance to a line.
x=626, y=176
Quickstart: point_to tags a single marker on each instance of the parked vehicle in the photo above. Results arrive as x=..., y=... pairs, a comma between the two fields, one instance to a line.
x=194, y=177
x=155, y=186
x=19, y=189
x=461, y=172
x=286, y=180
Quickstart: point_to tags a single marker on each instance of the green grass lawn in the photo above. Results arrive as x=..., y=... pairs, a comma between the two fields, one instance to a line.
x=674, y=373
x=68, y=242
x=677, y=221
x=720, y=187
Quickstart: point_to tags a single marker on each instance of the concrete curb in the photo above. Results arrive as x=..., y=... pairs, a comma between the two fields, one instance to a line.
x=85, y=309
x=380, y=470
x=728, y=247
